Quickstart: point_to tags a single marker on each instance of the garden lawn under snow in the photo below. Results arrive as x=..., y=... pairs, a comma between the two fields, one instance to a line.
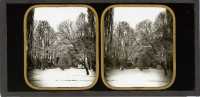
x=136, y=78
x=62, y=78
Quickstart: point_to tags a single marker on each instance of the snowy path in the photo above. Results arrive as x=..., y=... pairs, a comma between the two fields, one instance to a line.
x=62, y=78
x=136, y=78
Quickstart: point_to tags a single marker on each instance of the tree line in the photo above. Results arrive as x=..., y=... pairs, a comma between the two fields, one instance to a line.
x=148, y=45
x=72, y=45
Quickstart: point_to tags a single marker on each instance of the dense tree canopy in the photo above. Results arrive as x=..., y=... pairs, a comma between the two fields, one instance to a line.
x=148, y=45
x=71, y=45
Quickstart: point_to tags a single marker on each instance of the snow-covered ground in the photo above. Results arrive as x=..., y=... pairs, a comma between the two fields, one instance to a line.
x=62, y=78
x=136, y=78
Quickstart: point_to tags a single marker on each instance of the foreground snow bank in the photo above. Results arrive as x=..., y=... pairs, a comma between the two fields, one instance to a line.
x=136, y=78
x=62, y=78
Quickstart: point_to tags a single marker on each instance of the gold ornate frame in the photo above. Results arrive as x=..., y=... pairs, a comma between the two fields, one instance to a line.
x=25, y=47
x=174, y=48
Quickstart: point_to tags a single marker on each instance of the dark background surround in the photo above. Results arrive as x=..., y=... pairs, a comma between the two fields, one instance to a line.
x=186, y=65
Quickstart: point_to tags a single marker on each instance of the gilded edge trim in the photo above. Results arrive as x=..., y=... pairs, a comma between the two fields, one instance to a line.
x=174, y=48
x=26, y=48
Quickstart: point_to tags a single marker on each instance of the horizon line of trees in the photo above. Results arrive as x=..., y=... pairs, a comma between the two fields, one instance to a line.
x=149, y=45
x=73, y=45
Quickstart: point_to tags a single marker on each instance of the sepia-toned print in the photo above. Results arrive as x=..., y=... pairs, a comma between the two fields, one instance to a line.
x=138, y=47
x=60, y=47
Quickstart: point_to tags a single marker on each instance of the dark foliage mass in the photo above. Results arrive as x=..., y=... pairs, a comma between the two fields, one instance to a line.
x=73, y=45
x=149, y=45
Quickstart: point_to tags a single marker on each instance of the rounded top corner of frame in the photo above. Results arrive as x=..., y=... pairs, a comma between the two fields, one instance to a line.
x=29, y=9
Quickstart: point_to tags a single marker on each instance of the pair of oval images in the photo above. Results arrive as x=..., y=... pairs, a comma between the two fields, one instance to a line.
x=61, y=47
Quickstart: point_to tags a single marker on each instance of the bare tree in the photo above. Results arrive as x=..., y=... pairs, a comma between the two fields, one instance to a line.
x=30, y=27
x=164, y=29
x=43, y=38
x=108, y=26
x=81, y=35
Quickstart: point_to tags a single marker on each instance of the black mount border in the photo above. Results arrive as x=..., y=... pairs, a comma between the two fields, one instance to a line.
x=3, y=53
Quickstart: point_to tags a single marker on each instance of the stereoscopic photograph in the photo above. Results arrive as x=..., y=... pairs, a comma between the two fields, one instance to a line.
x=60, y=46
x=138, y=47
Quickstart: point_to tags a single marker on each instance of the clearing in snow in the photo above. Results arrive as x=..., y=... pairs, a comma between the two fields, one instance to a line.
x=62, y=78
x=136, y=78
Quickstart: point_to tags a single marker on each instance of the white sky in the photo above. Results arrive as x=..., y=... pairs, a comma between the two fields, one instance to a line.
x=55, y=15
x=134, y=15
